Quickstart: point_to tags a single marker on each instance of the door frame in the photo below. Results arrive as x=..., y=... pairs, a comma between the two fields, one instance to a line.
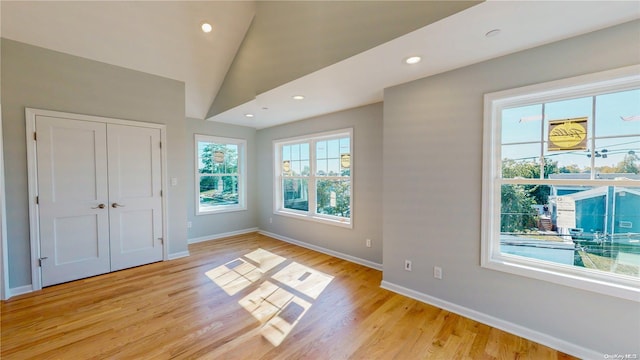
x=4, y=256
x=32, y=173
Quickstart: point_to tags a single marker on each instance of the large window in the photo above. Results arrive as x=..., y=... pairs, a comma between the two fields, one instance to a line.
x=313, y=177
x=220, y=179
x=561, y=183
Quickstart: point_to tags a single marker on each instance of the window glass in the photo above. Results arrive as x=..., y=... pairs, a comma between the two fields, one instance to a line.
x=333, y=197
x=296, y=194
x=567, y=168
x=522, y=124
x=618, y=113
x=316, y=184
x=618, y=155
x=573, y=226
x=219, y=179
x=521, y=161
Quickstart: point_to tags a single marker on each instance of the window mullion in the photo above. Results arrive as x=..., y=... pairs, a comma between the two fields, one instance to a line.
x=593, y=139
x=312, y=177
x=515, y=238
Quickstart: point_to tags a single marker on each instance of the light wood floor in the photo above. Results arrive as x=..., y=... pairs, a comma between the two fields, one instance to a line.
x=245, y=297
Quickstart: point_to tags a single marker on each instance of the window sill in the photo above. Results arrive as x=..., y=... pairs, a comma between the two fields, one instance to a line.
x=315, y=218
x=577, y=278
x=221, y=210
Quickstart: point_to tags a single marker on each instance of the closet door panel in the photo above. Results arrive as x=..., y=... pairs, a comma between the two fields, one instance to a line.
x=135, y=185
x=72, y=199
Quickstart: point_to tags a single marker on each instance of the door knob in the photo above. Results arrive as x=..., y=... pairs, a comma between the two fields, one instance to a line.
x=101, y=206
x=116, y=205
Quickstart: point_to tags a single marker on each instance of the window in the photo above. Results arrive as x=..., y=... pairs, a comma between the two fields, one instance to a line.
x=561, y=182
x=220, y=175
x=313, y=177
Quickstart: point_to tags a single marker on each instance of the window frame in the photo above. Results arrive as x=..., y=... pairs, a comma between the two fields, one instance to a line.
x=242, y=180
x=312, y=214
x=620, y=79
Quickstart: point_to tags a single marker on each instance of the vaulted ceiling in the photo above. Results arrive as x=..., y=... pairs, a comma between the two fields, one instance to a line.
x=339, y=54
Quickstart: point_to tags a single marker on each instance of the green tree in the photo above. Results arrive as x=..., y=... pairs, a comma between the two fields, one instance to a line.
x=628, y=165
x=573, y=168
x=531, y=170
x=217, y=160
x=338, y=188
x=517, y=213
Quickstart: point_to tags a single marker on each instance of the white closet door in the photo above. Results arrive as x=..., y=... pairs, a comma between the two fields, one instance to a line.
x=73, y=199
x=135, y=202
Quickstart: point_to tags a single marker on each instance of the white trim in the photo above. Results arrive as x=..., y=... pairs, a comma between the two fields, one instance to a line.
x=178, y=255
x=165, y=192
x=32, y=176
x=24, y=289
x=221, y=235
x=34, y=233
x=312, y=178
x=621, y=79
x=242, y=171
x=343, y=256
x=521, y=331
x=5, y=292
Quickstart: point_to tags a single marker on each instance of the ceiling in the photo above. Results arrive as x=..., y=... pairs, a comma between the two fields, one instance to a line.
x=157, y=37
x=163, y=38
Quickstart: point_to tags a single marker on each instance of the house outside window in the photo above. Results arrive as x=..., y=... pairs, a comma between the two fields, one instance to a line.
x=220, y=174
x=561, y=182
x=314, y=177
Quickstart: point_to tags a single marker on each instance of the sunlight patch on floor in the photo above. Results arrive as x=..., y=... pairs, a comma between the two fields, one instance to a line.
x=264, y=259
x=280, y=301
x=238, y=274
x=304, y=279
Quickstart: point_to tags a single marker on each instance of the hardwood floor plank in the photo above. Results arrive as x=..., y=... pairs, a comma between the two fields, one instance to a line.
x=245, y=297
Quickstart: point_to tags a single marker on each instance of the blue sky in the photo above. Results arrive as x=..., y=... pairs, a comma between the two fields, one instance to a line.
x=523, y=125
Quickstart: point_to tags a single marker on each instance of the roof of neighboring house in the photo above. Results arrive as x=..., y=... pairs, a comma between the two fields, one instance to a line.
x=603, y=176
x=600, y=191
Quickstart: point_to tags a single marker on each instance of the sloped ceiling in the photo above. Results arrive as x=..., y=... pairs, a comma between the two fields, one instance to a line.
x=288, y=39
x=449, y=43
x=340, y=54
x=157, y=37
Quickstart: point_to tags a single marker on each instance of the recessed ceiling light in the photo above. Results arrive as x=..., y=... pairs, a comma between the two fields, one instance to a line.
x=248, y=115
x=297, y=97
x=206, y=27
x=492, y=33
x=412, y=60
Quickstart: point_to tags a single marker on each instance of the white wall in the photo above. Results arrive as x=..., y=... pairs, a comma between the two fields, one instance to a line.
x=213, y=225
x=45, y=79
x=432, y=196
x=366, y=122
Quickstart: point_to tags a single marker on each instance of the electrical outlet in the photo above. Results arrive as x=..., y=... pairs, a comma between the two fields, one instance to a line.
x=270, y=220
x=368, y=242
x=407, y=265
x=189, y=224
x=437, y=272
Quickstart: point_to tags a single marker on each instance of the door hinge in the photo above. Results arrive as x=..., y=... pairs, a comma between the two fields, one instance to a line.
x=37, y=200
x=160, y=193
x=35, y=136
x=160, y=144
x=40, y=260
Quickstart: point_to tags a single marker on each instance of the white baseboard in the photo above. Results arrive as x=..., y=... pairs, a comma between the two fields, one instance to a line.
x=497, y=323
x=334, y=253
x=177, y=255
x=221, y=235
x=25, y=289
